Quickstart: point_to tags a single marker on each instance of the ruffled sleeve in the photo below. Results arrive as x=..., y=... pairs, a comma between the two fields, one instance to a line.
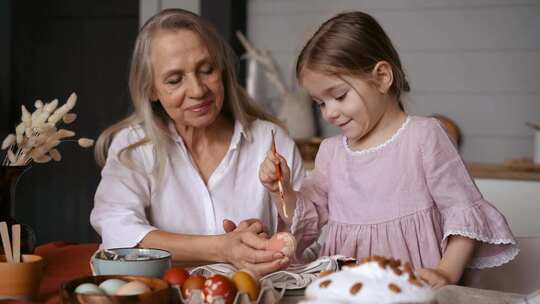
x=463, y=209
x=311, y=211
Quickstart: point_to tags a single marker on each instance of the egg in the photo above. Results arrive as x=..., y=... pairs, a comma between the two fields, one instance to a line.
x=246, y=283
x=89, y=288
x=133, y=288
x=176, y=276
x=192, y=283
x=282, y=241
x=219, y=286
x=111, y=286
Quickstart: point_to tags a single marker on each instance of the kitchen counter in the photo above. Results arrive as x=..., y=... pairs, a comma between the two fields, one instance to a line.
x=487, y=171
x=514, y=191
x=502, y=171
x=522, y=170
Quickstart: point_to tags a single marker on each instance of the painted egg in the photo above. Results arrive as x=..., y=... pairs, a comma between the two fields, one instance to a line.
x=88, y=288
x=176, y=276
x=110, y=286
x=282, y=241
x=219, y=286
x=133, y=288
x=246, y=283
x=194, y=282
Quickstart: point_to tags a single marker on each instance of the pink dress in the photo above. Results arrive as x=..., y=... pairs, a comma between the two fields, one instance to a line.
x=401, y=199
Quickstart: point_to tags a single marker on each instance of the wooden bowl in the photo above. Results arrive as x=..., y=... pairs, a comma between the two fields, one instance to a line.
x=161, y=291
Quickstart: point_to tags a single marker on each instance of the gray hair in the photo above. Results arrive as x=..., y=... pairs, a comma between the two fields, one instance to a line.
x=151, y=116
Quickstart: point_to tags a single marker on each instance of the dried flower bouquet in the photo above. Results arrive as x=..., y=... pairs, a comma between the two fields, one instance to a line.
x=38, y=134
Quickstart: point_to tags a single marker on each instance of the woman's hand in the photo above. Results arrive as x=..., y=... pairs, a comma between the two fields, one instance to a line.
x=244, y=248
x=230, y=226
x=433, y=277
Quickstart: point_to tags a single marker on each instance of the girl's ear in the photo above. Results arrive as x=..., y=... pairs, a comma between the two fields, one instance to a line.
x=383, y=76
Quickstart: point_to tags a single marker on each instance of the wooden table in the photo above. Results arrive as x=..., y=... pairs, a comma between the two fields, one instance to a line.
x=64, y=261
x=453, y=294
x=67, y=261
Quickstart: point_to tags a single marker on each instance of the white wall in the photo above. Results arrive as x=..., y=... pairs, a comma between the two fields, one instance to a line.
x=478, y=62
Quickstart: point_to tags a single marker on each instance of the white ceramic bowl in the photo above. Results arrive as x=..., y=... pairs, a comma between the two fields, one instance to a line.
x=132, y=261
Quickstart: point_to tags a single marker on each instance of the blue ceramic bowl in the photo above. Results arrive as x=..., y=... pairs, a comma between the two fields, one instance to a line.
x=132, y=261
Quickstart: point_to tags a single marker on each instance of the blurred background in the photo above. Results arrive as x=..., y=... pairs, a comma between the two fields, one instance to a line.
x=475, y=62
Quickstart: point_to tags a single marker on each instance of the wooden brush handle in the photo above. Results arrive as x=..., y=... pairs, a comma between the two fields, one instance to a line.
x=6, y=242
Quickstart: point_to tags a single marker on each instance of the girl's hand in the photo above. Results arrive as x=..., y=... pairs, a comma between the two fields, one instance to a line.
x=243, y=248
x=269, y=175
x=436, y=278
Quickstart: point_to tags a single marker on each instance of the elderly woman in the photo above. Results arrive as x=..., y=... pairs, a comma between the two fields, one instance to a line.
x=186, y=161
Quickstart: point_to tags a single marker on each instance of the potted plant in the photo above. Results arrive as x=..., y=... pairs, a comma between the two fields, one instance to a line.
x=35, y=140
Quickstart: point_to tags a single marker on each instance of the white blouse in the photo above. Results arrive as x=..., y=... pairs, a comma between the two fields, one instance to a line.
x=129, y=203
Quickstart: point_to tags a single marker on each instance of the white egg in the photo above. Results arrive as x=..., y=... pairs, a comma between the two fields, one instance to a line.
x=132, y=288
x=88, y=288
x=110, y=286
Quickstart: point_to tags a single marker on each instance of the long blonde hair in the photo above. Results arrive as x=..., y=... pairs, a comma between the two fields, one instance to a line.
x=151, y=116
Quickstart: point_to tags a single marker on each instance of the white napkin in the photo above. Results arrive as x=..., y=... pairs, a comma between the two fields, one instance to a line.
x=532, y=298
x=294, y=277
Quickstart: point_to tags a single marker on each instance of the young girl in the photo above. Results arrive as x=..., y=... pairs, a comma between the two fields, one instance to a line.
x=392, y=184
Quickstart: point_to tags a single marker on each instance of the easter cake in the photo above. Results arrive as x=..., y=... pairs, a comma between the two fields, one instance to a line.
x=373, y=280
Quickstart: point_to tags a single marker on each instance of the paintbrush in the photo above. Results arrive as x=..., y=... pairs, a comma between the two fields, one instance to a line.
x=279, y=176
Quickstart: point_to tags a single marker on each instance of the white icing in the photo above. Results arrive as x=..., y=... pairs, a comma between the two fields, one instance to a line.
x=375, y=281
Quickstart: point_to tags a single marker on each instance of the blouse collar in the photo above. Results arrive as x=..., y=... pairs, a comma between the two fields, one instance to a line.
x=238, y=133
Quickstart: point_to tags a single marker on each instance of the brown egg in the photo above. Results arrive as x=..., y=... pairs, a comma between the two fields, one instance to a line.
x=219, y=286
x=192, y=283
x=246, y=283
x=176, y=276
x=133, y=288
x=282, y=241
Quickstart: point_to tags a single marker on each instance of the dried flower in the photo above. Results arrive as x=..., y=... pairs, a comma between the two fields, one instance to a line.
x=86, y=142
x=8, y=141
x=69, y=118
x=55, y=155
x=38, y=104
x=37, y=135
